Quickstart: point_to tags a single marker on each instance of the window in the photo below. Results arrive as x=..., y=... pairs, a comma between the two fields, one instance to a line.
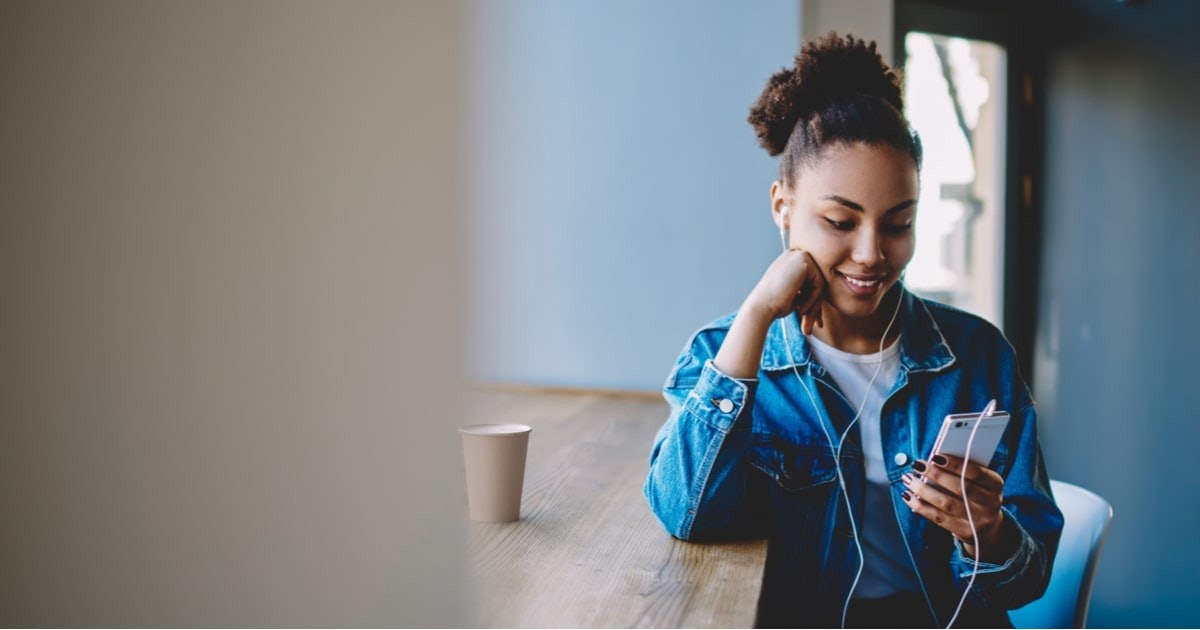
x=955, y=98
x=973, y=74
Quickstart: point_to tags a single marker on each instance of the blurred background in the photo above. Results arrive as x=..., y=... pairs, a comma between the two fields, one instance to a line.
x=619, y=202
x=229, y=291
x=250, y=253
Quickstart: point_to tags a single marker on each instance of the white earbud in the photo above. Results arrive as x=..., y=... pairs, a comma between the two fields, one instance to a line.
x=784, y=233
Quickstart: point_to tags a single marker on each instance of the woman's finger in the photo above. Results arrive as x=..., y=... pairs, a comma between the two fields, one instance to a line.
x=814, y=289
x=947, y=509
x=814, y=313
x=933, y=495
x=949, y=498
x=928, y=511
x=807, y=303
x=958, y=525
x=945, y=468
x=982, y=499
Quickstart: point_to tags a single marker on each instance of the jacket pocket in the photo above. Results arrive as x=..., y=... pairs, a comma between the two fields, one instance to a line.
x=793, y=467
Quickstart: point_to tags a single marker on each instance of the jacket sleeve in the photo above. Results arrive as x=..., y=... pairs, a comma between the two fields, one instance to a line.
x=1033, y=520
x=697, y=484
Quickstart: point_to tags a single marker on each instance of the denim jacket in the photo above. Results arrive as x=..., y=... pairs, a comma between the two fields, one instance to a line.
x=739, y=458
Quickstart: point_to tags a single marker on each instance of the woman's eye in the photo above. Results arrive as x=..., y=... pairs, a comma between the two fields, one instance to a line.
x=899, y=228
x=839, y=225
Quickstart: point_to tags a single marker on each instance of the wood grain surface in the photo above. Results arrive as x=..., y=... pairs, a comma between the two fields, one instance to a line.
x=587, y=551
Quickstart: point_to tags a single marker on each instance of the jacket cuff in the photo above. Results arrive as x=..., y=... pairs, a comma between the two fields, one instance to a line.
x=996, y=574
x=719, y=399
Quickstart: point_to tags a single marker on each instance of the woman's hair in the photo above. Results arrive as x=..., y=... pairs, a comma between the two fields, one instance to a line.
x=840, y=91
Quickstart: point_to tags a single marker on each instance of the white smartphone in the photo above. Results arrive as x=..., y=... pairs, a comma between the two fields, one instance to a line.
x=956, y=433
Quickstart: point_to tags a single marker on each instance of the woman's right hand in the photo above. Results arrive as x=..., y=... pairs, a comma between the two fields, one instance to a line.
x=792, y=284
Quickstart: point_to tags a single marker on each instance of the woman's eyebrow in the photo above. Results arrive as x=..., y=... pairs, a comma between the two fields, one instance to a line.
x=858, y=207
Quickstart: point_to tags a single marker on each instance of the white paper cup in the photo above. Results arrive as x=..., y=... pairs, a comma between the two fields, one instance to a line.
x=494, y=455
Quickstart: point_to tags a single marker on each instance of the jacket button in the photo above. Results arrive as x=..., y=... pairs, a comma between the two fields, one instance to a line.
x=724, y=404
x=900, y=459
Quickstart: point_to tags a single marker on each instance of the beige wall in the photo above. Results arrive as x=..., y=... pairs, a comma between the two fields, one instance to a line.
x=228, y=324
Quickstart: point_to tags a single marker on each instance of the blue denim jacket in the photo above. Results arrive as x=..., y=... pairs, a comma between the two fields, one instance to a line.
x=739, y=458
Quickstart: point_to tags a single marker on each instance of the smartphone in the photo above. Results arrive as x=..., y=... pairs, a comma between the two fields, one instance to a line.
x=956, y=433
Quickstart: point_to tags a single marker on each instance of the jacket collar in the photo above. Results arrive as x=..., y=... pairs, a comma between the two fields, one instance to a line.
x=922, y=346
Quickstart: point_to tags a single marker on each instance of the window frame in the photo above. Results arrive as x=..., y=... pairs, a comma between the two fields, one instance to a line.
x=1010, y=24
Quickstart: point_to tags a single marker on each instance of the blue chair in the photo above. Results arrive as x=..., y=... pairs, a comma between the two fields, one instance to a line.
x=1065, y=605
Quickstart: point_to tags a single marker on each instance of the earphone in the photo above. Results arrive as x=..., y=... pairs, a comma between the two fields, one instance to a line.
x=836, y=449
x=783, y=230
x=962, y=487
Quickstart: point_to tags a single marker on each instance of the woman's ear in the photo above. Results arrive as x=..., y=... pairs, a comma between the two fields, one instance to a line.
x=779, y=208
x=781, y=213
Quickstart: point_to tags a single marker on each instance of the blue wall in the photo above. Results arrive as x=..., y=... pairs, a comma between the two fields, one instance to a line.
x=1119, y=330
x=618, y=197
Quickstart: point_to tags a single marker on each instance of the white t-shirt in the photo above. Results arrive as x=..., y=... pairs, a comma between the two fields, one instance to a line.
x=887, y=569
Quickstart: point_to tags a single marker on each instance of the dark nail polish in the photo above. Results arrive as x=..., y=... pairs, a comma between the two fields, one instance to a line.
x=906, y=495
x=940, y=460
x=919, y=466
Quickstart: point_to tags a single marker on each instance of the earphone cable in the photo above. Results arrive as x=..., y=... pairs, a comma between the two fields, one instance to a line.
x=962, y=486
x=837, y=457
x=837, y=449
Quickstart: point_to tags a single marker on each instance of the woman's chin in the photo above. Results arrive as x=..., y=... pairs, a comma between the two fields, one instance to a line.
x=855, y=307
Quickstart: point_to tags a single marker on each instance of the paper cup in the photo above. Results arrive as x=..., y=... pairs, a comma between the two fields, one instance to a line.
x=494, y=455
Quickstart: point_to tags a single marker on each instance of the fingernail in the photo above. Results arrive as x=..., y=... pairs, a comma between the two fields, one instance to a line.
x=940, y=460
x=919, y=466
x=906, y=495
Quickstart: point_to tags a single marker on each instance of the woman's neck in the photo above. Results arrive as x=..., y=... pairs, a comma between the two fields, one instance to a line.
x=859, y=335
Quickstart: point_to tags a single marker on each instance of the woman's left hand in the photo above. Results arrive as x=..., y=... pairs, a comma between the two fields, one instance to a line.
x=935, y=492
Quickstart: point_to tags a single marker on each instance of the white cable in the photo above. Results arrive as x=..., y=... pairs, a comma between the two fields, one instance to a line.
x=837, y=450
x=962, y=485
x=837, y=461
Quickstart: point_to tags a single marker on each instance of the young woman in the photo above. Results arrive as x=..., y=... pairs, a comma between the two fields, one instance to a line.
x=810, y=414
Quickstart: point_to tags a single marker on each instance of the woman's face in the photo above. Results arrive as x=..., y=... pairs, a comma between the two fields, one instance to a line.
x=853, y=212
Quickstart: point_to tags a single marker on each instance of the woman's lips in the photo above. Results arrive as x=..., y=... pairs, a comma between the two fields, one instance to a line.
x=862, y=286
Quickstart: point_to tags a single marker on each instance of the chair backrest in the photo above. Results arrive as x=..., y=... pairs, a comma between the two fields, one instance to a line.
x=1086, y=518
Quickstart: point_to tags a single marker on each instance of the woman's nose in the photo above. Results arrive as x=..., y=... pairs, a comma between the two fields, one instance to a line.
x=868, y=248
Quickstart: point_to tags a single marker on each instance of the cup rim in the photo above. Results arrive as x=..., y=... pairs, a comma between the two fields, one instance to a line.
x=495, y=429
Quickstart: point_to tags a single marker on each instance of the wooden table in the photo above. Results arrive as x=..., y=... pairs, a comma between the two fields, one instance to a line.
x=587, y=551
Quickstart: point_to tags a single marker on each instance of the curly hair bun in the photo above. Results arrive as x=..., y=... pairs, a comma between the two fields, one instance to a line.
x=827, y=71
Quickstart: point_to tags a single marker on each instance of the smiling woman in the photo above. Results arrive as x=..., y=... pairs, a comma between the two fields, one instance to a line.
x=806, y=414
x=852, y=212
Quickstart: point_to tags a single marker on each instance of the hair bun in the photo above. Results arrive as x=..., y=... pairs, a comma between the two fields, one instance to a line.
x=829, y=70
